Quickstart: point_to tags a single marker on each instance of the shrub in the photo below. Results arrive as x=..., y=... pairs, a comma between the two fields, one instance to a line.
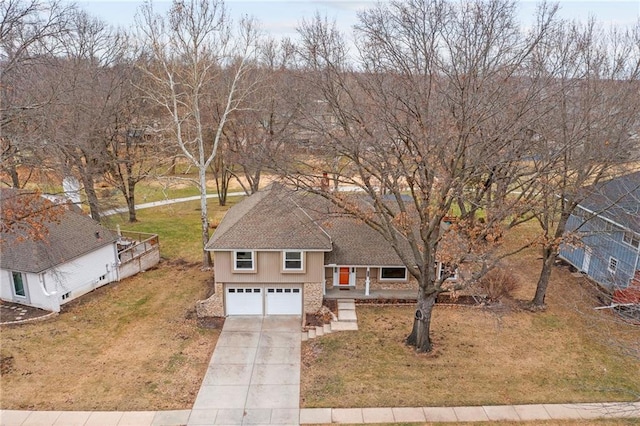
x=498, y=283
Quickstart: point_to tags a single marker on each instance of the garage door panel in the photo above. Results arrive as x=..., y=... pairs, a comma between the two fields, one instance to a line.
x=244, y=300
x=284, y=300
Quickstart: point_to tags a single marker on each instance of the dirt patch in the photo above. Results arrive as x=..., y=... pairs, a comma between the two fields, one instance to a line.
x=214, y=323
x=6, y=364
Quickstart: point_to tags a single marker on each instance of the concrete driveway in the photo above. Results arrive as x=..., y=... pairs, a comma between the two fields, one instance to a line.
x=254, y=374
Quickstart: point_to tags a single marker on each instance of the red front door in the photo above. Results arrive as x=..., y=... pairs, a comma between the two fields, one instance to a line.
x=344, y=276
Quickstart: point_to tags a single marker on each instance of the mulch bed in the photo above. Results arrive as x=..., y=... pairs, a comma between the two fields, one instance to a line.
x=442, y=299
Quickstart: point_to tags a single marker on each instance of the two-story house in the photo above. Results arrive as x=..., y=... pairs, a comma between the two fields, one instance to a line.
x=605, y=230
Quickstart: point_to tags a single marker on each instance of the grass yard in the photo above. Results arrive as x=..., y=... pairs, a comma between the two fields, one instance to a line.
x=504, y=355
x=132, y=345
x=177, y=226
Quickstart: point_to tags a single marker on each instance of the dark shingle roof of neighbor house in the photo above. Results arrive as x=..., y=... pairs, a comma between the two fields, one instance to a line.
x=265, y=221
x=268, y=220
x=70, y=236
x=618, y=200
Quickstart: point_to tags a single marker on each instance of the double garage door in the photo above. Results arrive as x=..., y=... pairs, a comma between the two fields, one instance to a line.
x=247, y=299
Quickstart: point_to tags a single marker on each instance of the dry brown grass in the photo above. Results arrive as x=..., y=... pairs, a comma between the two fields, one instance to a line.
x=503, y=355
x=133, y=345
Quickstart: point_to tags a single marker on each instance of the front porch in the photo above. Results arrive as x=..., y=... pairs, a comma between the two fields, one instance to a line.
x=359, y=294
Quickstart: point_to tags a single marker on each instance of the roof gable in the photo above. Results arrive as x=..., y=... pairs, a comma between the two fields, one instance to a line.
x=268, y=220
x=278, y=219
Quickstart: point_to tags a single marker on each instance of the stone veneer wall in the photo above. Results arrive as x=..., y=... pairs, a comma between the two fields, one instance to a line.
x=312, y=297
x=214, y=305
x=375, y=284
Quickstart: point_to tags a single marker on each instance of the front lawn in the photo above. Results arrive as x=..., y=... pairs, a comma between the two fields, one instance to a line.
x=504, y=355
x=132, y=345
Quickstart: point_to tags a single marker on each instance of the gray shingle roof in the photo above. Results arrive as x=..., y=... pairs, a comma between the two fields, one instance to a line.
x=278, y=219
x=70, y=236
x=618, y=200
x=268, y=220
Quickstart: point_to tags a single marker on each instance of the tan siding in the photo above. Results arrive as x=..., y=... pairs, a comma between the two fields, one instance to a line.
x=269, y=269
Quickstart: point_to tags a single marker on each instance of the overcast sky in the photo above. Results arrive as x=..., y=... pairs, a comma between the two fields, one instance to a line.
x=281, y=17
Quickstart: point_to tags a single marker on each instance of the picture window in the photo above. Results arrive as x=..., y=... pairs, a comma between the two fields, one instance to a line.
x=398, y=274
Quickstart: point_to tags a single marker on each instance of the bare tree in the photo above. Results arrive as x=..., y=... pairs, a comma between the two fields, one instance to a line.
x=30, y=33
x=587, y=131
x=435, y=104
x=197, y=62
x=77, y=126
x=137, y=146
x=256, y=136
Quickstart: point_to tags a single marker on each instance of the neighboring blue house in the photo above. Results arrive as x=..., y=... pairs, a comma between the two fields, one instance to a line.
x=607, y=223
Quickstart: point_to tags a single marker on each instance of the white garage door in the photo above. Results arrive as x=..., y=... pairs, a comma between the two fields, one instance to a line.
x=284, y=300
x=244, y=300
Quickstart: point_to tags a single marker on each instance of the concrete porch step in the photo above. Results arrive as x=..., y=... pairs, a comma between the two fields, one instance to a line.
x=347, y=321
x=347, y=310
x=347, y=316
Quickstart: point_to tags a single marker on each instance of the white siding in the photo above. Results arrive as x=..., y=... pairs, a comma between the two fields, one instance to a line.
x=73, y=278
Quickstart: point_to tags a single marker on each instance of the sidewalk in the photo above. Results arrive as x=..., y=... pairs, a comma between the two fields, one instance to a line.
x=536, y=412
x=165, y=203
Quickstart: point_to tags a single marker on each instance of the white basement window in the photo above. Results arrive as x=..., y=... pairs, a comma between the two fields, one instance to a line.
x=395, y=273
x=613, y=265
x=293, y=260
x=243, y=260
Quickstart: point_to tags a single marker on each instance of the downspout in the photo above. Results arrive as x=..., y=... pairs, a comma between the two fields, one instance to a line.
x=116, y=263
x=367, y=281
x=324, y=280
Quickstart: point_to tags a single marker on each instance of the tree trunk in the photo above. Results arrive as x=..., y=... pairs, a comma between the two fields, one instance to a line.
x=92, y=197
x=549, y=253
x=130, y=195
x=131, y=206
x=255, y=182
x=548, y=259
x=420, y=334
x=15, y=179
x=206, y=256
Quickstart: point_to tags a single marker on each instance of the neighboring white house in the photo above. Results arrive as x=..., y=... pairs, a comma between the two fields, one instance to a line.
x=73, y=256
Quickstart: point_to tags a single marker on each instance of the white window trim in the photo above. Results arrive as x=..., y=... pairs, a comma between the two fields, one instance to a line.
x=284, y=260
x=235, y=260
x=632, y=236
x=441, y=269
x=393, y=279
x=23, y=278
x=615, y=266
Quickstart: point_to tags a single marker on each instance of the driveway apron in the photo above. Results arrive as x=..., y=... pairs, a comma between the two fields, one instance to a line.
x=254, y=374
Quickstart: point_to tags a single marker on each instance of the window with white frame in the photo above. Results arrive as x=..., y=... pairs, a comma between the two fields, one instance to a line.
x=292, y=261
x=613, y=265
x=243, y=260
x=18, y=284
x=393, y=273
x=450, y=271
x=631, y=238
